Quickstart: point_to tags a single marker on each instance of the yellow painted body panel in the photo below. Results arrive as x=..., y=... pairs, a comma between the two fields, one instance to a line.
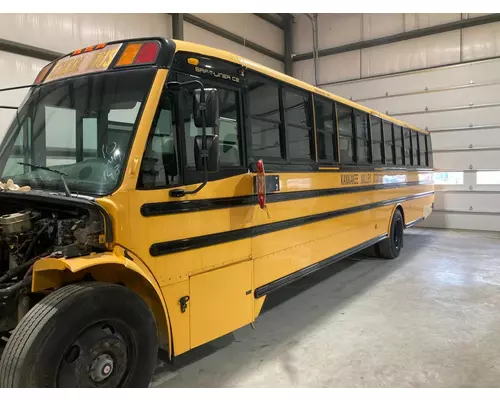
x=221, y=301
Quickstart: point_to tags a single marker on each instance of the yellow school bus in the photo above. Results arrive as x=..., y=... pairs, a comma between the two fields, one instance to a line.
x=153, y=193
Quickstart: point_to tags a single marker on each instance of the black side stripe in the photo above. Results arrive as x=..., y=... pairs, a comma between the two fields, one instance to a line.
x=295, y=276
x=175, y=207
x=175, y=246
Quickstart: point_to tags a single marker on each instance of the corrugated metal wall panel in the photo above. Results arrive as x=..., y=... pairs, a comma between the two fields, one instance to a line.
x=468, y=201
x=481, y=71
x=481, y=41
x=250, y=27
x=425, y=20
x=473, y=159
x=463, y=139
x=468, y=220
x=304, y=70
x=456, y=119
x=340, y=66
x=338, y=29
x=468, y=96
x=423, y=52
x=380, y=25
x=67, y=32
x=193, y=33
x=301, y=35
x=16, y=71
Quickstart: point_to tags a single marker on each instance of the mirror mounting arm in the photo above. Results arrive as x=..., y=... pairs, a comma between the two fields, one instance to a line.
x=204, y=152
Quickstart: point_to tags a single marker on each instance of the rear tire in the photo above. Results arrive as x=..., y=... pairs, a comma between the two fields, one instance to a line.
x=391, y=247
x=83, y=335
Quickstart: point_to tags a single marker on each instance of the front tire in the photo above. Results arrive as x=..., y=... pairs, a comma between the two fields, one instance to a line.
x=83, y=335
x=391, y=247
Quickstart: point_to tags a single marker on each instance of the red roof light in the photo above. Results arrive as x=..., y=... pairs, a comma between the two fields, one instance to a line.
x=147, y=53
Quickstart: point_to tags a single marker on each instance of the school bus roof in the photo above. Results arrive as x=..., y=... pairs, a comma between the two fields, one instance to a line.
x=231, y=57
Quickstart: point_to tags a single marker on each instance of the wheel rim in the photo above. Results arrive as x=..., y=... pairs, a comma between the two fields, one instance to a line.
x=100, y=356
x=398, y=234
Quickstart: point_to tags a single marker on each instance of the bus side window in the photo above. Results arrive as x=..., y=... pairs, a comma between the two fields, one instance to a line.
x=266, y=120
x=299, y=131
x=363, y=144
x=377, y=140
x=326, y=130
x=389, y=144
x=347, y=142
x=421, y=149
x=398, y=145
x=407, y=146
x=159, y=167
x=428, y=143
x=415, y=155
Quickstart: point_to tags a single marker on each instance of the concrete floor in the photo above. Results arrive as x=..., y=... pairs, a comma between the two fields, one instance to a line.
x=430, y=318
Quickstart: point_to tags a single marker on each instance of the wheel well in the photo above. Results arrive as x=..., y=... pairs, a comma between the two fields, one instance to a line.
x=118, y=274
x=400, y=208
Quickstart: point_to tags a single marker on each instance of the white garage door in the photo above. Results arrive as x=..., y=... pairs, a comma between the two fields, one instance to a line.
x=460, y=105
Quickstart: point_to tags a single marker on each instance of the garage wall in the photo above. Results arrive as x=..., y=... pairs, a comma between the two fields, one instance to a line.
x=459, y=104
x=247, y=26
x=334, y=30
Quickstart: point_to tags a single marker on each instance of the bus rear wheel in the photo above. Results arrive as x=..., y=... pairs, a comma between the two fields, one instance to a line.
x=83, y=335
x=391, y=247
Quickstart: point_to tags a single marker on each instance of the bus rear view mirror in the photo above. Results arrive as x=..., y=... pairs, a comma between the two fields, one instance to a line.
x=213, y=149
x=211, y=108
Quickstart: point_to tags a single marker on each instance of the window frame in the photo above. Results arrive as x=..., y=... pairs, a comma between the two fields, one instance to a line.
x=422, y=152
x=189, y=175
x=415, y=152
x=310, y=127
x=407, y=163
x=335, y=132
x=381, y=141
x=395, y=129
x=177, y=143
x=282, y=160
x=368, y=141
x=392, y=147
x=428, y=151
x=352, y=138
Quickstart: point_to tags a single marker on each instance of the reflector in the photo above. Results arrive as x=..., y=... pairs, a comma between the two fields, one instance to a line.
x=147, y=53
x=129, y=54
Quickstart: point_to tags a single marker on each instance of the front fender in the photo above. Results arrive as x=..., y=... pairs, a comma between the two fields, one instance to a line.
x=118, y=266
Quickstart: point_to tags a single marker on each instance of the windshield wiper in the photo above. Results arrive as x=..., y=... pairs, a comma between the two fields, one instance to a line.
x=61, y=174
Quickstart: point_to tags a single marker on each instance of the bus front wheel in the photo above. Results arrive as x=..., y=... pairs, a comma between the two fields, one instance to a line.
x=391, y=247
x=83, y=335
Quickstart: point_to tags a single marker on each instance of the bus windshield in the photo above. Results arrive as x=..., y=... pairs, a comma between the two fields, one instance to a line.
x=82, y=127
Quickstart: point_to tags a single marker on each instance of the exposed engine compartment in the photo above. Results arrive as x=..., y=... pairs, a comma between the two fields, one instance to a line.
x=40, y=230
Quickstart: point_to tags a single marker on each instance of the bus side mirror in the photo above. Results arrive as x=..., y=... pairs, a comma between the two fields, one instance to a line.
x=213, y=149
x=211, y=110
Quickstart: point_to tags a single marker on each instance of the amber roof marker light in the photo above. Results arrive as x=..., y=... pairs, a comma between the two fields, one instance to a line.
x=139, y=53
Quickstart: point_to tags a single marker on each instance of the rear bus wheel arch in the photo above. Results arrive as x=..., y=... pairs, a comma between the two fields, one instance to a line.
x=399, y=207
x=391, y=246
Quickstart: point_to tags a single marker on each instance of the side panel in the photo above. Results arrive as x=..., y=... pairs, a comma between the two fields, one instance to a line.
x=221, y=301
x=217, y=245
